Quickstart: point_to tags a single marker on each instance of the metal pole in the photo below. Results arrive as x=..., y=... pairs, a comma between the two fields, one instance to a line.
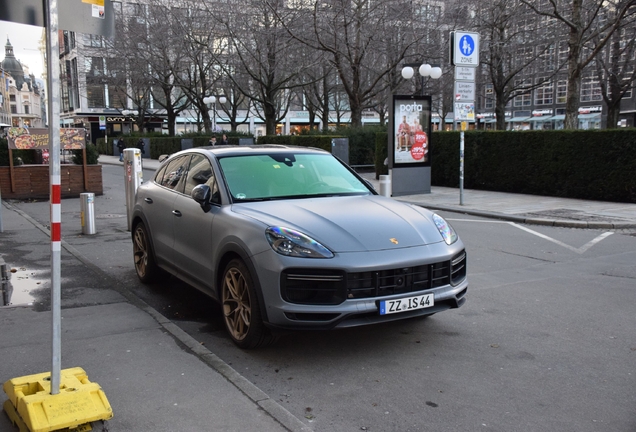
x=87, y=213
x=213, y=117
x=1, y=226
x=53, y=67
x=461, y=168
x=133, y=177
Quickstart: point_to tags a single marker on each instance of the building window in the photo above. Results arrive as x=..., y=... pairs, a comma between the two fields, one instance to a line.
x=94, y=66
x=561, y=91
x=95, y=95
x=117, y=97
x=564, y=51
x=12, y=98
x=546, y=58
x=523, y=98
x=489, y=99
x=628, y=92
x=26, y=109
x=14, y=109
x=95, y=41
x=544, y=94
x=590, y=89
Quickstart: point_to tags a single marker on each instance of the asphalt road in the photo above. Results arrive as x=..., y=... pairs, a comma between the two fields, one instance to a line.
x=545, y=342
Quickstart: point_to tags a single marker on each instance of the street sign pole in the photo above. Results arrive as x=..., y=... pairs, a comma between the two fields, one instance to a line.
x=464, y=53
x=53, y=65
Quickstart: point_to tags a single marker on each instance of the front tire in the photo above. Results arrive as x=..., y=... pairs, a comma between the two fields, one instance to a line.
x=241, y=311
x=145, y=265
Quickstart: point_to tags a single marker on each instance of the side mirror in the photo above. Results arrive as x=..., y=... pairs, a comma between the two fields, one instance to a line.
x=201, y=194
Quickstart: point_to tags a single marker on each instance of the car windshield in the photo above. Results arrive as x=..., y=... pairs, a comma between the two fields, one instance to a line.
x=287, y=175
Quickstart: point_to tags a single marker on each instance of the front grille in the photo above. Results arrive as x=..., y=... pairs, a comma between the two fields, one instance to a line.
x=332, y=287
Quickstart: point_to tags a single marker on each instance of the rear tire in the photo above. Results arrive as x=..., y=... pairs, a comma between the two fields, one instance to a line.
x=241, y=311
x=145, y=265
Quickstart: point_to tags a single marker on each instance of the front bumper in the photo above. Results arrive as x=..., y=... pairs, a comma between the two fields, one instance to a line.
x=359, y=306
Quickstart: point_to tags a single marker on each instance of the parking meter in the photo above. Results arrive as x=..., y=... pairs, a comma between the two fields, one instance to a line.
x=133, y=177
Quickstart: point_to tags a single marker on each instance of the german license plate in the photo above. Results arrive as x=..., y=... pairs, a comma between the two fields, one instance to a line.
x=406, y=304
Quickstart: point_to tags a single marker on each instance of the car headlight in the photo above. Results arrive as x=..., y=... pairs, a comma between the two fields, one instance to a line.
x=448, y=233
x=292, y=243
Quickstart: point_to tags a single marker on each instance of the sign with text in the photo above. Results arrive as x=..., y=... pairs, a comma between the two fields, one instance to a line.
x=464, y=111
x=463, y=73
x=465, y=48
x=464, y=91
x=21, y=138
x=411, y=130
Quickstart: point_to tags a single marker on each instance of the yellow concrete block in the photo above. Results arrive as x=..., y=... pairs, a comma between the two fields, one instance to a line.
x=78, y=403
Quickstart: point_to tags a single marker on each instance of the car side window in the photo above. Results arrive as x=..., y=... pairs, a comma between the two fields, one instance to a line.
x=201, y=172
x=159, y=175
x=175, y=171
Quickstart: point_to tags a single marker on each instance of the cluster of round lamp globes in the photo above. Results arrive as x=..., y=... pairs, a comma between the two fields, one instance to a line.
x=426, y=70
x=212, y=99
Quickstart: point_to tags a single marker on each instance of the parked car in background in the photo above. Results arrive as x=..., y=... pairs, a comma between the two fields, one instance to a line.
x=289, y=238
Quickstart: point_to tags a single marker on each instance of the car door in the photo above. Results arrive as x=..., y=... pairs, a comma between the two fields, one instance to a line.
x=158, y=206
x=194, y=252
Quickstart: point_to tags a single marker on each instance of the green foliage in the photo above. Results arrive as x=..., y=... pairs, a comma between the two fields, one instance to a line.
x=26, y=156
x=362, y=142
x=590, y=164
x=315, y=141
x=381, y=154
x=162, y=145
x=91, y=155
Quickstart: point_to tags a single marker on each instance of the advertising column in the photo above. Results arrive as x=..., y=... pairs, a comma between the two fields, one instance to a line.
x=409, y=145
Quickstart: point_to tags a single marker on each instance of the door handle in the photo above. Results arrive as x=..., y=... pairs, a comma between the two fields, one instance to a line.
x=148, y=200
x=176, y=213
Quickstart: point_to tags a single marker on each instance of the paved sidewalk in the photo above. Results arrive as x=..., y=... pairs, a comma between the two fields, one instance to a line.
x=156, y=377
x=531, y=209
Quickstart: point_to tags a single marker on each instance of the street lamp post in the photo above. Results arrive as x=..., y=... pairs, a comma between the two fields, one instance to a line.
x=212, y=100
x=425, y=70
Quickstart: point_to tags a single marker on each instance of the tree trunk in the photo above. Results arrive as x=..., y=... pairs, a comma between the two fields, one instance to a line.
x=500, y=112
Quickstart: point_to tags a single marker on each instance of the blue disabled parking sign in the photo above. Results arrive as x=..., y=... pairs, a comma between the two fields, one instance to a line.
x=465, y=49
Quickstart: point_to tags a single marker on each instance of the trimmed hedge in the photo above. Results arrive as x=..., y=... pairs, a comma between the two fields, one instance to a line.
x=316, y=141
x=362, y=142
x=592, y=164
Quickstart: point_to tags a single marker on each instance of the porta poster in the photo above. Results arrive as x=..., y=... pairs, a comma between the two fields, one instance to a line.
x=411, y=130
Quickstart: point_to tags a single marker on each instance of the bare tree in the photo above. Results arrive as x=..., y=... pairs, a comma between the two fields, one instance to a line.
x=354, y=34
x=510, y=50
x=200, y=39
x=589, y=25
x=615, y=69
x=267, y=63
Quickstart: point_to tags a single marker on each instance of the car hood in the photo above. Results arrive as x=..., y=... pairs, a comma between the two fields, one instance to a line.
x=349, y=224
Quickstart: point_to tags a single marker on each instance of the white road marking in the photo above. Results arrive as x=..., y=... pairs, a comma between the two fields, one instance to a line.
x=580, y=250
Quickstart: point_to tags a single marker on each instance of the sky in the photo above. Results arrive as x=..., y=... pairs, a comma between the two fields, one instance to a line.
x=26, y=41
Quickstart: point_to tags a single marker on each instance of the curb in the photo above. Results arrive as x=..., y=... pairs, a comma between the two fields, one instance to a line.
x=530, y=220
x=252, y=392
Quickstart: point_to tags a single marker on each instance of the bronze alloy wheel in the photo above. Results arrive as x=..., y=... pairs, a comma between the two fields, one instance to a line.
x=144, y=261
x=241, y=312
